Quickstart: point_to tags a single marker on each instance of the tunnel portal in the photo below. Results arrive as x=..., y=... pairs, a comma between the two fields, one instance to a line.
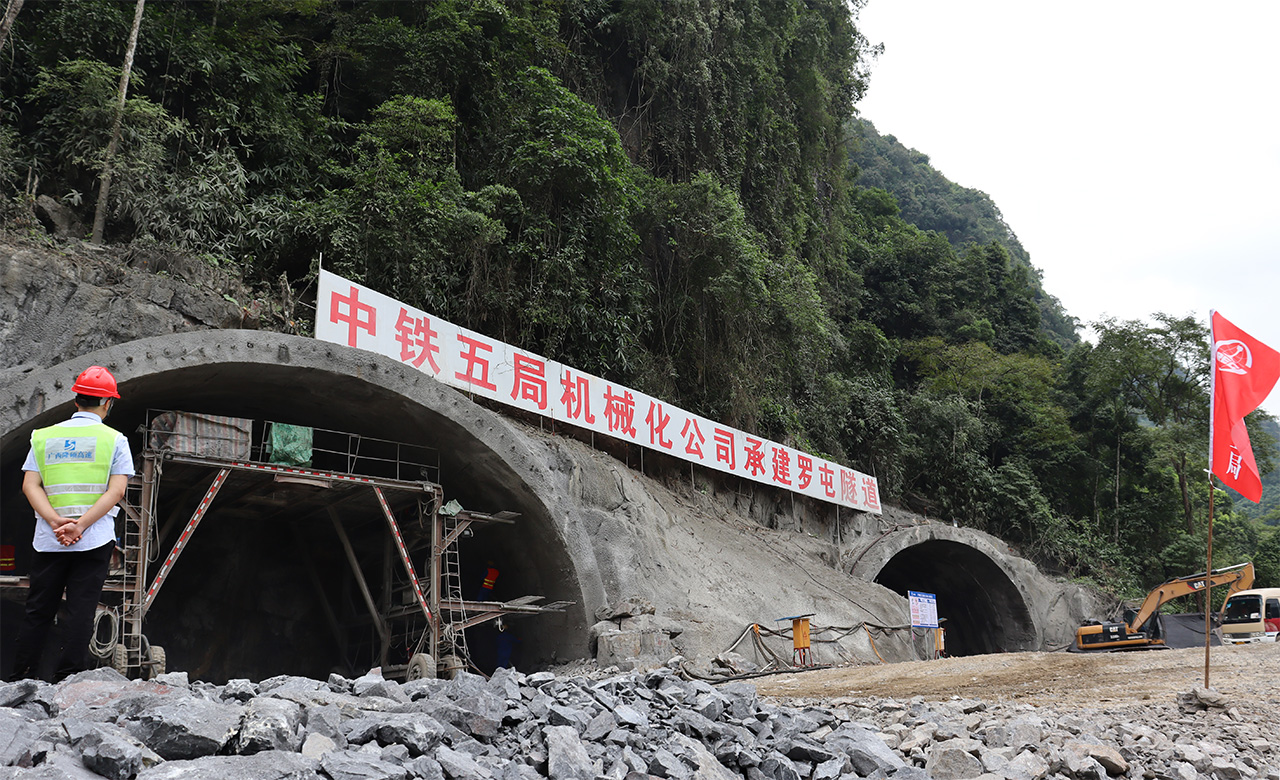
x=261, y=584
x=983, y=609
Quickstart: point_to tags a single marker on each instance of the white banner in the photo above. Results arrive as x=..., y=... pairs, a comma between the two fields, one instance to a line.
x=354, y=315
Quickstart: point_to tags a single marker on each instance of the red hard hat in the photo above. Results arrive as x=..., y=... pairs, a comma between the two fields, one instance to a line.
x=97, y=382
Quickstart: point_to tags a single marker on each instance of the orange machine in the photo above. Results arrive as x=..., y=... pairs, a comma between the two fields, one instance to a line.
x=1135, y=634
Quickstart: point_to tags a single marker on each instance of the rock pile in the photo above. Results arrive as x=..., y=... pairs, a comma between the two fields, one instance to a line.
x=627, y=727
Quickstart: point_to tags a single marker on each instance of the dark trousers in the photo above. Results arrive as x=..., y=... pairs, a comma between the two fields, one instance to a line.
x=80, y=575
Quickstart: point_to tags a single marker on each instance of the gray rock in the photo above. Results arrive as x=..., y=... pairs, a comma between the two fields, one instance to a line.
x=269, y=765
x=776, y=766
x=666, y=764
x=14, y=693
x=325, y=719
x=426, y=767
x=188, y=729
x=420, y=733
x=111, y=752
x=558, y=715
x=353, y=765
x=317, y=745
x=1027, y=765
x=864, y=749
x=269, y=724
x=17, y=733
x=948, y=763
x=173, y=679
x=239, y=690
x=630, y=716
x=567, y=759
x=705, y=765
x=367, y=681
x=467, y=715
x=459, y=765
x=387, y=689
x=829, y=770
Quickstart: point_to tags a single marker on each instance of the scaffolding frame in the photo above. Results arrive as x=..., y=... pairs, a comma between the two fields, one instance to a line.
x=445, y=615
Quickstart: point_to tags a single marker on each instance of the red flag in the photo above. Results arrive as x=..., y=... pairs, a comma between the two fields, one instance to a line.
x=1244, y=371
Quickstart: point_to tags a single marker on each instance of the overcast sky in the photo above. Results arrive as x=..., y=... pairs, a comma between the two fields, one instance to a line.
x=1134, y=147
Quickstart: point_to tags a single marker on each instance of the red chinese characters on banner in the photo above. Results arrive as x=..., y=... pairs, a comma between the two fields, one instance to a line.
x=870, y=493
x=477, y=373
x=530, y=382
x=348, y=313
x=805, y=464
x=693, y=438
x=351, y=316
x=620, y=411
x=658, y=421
x=725, y=452
x=848, y=486
x=576, y=398
x=826, y=478
x=417, y=340
x=755, y=456
x=781, y=466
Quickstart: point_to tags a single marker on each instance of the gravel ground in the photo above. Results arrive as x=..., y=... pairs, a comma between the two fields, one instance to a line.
x=1245, y=674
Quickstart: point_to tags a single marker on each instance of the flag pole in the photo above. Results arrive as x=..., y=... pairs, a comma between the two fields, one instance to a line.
x=1208, y=568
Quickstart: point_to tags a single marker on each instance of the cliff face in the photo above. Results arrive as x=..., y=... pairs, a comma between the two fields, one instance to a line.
x=58, y=301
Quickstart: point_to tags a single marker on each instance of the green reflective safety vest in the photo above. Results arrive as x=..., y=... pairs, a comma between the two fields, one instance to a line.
x=75, y=464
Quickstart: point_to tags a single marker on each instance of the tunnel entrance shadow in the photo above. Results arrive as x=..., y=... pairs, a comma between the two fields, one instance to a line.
x=984, y=611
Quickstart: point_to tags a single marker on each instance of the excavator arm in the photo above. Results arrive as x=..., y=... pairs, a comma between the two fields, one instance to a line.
x=1239, y=577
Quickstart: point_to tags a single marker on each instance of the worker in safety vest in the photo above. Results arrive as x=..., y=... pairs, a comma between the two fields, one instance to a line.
x=490, y=579
x=76, y=473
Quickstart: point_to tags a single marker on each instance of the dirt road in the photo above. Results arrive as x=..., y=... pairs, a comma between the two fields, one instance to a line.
x=1066, y=681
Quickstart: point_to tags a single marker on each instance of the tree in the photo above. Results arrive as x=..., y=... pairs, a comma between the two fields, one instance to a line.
x=10, y=13
x=104, y=187
x=1158, y=373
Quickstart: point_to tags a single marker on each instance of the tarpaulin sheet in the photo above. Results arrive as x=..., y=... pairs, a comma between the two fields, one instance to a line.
x=290, y=445
x=209, y=436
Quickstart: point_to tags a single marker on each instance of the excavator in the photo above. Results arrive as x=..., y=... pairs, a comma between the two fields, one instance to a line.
x=1134, y=632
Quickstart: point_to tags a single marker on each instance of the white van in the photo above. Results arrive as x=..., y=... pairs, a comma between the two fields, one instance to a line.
x=1251, y=616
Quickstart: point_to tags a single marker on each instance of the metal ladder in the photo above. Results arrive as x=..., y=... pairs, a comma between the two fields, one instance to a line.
x=452, y=641
x=139, y=513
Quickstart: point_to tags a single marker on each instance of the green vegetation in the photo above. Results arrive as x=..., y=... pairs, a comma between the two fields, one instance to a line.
x=670, y=194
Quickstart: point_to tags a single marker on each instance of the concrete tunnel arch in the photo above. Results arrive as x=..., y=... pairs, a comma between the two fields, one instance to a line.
x=979, y=590
x=484, y=463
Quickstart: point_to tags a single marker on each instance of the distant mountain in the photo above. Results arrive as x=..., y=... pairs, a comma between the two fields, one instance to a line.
x=930, y=201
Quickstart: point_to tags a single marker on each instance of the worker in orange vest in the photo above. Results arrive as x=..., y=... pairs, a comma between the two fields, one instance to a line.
x=490, y=579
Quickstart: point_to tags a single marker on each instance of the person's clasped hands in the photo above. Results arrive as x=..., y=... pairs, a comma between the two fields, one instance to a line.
x=68, y=532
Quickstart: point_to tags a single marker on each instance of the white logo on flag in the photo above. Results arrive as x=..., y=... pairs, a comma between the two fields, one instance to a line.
x=1234, y=461
x=1233, y=356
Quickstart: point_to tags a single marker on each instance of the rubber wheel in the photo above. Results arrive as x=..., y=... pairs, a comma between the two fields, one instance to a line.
x=158, y=665
x=451, y=665
x=421, y=667
x=120, y=659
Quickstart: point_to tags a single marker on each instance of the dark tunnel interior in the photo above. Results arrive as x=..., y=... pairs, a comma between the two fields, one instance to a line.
x=982, y=608
x=264, y=587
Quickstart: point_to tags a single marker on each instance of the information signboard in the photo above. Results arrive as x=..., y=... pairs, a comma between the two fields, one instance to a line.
x=924, y=609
